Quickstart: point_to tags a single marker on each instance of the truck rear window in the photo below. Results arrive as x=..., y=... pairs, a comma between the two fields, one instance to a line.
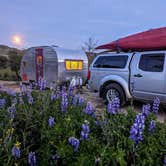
x=74, y=64
x=118, y=61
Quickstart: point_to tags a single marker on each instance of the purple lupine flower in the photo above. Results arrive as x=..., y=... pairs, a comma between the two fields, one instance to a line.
x=63, y=90
x=51, y=121
x=164, y=161
x=2, y=103
x=74, y=142
x=85, y=132
x=85, y=128
x=64, y=102
x=75, y=100
x=137, y=128
x=156, y=104
x=113, y=106
x=30, y=99
x=71, y=91
x=152, y=126
x=89, y=109
x=42, y=84
x=16, y=152
x=84, y=136
x=11, y=111
x=146, y=110
x=32, y=159
x=81, y=100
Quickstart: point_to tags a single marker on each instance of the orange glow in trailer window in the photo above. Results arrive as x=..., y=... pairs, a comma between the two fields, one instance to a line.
x=74, y=64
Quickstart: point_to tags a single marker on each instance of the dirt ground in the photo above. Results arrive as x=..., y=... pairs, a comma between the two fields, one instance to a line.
x=93, y=98
x=99, y=104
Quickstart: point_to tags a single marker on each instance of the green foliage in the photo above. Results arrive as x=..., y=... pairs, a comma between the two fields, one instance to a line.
x=15, y=61
x=7, y=75
x=3, y=62
x=109, y=140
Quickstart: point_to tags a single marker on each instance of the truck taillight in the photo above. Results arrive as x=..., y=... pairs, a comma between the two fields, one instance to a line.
x=24, y=77
x=89, y=73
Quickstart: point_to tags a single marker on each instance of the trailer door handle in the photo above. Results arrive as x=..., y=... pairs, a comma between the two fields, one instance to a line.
x=138, y=75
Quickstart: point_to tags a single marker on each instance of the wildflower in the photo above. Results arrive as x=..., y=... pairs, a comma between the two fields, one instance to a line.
x=32, y=159
x=81, y=100
x=113, y=106
x=152, y=126
x=74, y=142
x=156, y=103
x=164, y=161
x=70, y=91
x=2, y=103
x=64, y=103
x=75, y=100
x=146, y=110
x=16, y=150
x=11, y=111
x=42, y=84
x=89, y=109
x=30, y=99
x=51, y=121
x=137, y=128
x=85, y=132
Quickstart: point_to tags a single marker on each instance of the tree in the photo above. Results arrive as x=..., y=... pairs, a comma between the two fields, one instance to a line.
x=89, y=48
x=15, y=57
x=90, y=45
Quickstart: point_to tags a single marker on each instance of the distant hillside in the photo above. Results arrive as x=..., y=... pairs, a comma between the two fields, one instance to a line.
x=5, y=50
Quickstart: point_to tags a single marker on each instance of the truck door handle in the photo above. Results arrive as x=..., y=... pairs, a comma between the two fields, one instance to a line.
x=138, y=75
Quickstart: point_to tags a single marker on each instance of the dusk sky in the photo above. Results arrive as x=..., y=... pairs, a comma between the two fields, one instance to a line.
x=69, y=23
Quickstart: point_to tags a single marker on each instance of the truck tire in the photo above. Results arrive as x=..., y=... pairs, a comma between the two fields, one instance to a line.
x=114, y=90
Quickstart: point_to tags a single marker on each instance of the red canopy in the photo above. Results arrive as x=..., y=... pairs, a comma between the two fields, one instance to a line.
x=154, y=39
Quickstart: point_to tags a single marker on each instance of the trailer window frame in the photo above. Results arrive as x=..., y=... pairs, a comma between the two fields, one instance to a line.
x=69, y=67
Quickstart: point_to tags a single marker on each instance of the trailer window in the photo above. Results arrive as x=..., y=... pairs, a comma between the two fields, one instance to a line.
x=74, y=64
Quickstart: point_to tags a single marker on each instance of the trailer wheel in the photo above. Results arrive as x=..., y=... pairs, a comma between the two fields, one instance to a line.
x=112, y=91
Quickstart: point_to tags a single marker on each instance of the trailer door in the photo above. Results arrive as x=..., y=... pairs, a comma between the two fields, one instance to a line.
x=39, y=63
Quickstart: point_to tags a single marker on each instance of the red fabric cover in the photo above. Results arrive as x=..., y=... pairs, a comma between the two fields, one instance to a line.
x=154, y=39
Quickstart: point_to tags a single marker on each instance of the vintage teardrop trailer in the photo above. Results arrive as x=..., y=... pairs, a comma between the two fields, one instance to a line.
x=53, y=64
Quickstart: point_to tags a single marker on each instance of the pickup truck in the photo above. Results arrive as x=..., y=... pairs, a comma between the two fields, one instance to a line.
x=137, y=75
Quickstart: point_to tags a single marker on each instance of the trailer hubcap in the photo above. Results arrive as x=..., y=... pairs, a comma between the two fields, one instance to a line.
x=112, y=94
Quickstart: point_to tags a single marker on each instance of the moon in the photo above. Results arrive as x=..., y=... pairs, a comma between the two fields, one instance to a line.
x=16, y=40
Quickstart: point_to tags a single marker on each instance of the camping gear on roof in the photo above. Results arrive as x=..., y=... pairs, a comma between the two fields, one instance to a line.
x=153, y=39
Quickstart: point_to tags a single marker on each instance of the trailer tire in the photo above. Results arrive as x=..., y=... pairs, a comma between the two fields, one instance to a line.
x=114, y=90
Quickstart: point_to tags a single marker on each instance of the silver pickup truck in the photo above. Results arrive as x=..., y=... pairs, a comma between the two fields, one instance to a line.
x=139, y=75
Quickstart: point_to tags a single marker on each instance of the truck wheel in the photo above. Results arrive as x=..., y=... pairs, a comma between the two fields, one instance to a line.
x=112, y=91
